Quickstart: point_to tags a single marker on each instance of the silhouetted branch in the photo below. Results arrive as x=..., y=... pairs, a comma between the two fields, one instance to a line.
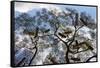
x=33, y=56
x=76, y=29
x=35, y=43
x=72, y=39
x=60, y=38
x=88, y=60
x=79, y=27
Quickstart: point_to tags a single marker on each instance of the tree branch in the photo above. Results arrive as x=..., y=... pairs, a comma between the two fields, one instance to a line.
x=35, y=43
x=88, y=60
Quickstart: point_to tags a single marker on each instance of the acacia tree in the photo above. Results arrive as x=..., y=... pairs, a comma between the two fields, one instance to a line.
x=58, y=22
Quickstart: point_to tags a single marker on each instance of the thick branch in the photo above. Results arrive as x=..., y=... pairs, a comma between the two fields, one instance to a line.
x=33, y=56
x=66, y=57
x=35, y=43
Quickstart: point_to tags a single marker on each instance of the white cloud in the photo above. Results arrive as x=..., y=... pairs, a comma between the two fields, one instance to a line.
x=24, y=7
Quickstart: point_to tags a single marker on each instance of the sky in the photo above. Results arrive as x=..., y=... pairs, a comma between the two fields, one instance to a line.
x=25, y=7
